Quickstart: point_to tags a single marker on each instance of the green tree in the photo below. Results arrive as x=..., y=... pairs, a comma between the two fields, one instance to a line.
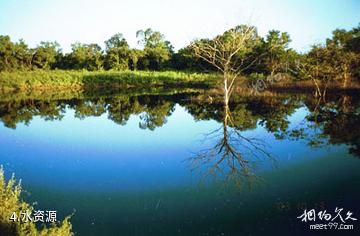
x=23, y=55
x=44, y=56
x=338, y=59
x=157, y=50
x=276, y=45
x=117, y=53
x=134, y=56
x=186, y=59
x=86, y=56
x=6, y=53
x=343, y=56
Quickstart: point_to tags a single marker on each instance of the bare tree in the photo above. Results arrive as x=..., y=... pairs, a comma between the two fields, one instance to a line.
x=228, y=53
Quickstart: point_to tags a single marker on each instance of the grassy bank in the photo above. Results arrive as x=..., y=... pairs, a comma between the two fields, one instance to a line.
x=114, y=82
x=77, y=80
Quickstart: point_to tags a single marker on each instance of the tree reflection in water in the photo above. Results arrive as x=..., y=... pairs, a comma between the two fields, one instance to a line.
x=335, y=121
x=232, y=155
x=227, y=152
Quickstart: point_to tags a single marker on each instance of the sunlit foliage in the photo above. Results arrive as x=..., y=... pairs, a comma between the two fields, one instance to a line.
x=10, y=201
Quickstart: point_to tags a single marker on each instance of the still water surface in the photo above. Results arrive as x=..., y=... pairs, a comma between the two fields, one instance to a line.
x=177, y=165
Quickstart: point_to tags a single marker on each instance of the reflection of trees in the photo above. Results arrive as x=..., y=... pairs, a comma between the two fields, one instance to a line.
x=119, y=110
x=334, y=121
x=86, y=108
x=155, y=115
x=231, y=155
x=152, y=110
x=340, y=123
x=272, y=113
x=14, y=112
x=330, y=122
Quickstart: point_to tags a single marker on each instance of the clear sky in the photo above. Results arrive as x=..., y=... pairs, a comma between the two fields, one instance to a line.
x=94, y=21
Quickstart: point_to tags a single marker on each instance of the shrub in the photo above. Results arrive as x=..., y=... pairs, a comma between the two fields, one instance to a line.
x=10, y=201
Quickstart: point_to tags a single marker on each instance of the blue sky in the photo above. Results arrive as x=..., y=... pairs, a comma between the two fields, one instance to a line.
x=93, y=21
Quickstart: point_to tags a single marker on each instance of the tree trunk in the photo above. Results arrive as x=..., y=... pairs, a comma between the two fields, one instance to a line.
x=226, y=91
x=225, y=121
x=346, y=78
x=317, y=88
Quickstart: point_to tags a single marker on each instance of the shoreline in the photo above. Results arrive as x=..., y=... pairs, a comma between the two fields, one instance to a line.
x=60, y=81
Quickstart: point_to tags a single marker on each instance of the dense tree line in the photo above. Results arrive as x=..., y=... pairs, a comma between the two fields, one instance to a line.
x=156, y=54
x=338, y=58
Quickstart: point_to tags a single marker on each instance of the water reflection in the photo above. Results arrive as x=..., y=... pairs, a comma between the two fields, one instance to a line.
x=329, y=122
x=226, y=152
x=129, y=160
x=231, y=155
x=153, y=110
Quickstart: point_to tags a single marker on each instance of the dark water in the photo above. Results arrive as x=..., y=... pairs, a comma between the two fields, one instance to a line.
x=180, y=165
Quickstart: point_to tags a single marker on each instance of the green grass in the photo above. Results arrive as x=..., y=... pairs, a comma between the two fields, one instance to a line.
x=10, y=201
x=58, y=79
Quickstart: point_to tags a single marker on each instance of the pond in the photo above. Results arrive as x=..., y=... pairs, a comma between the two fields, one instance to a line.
x=179, y=164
